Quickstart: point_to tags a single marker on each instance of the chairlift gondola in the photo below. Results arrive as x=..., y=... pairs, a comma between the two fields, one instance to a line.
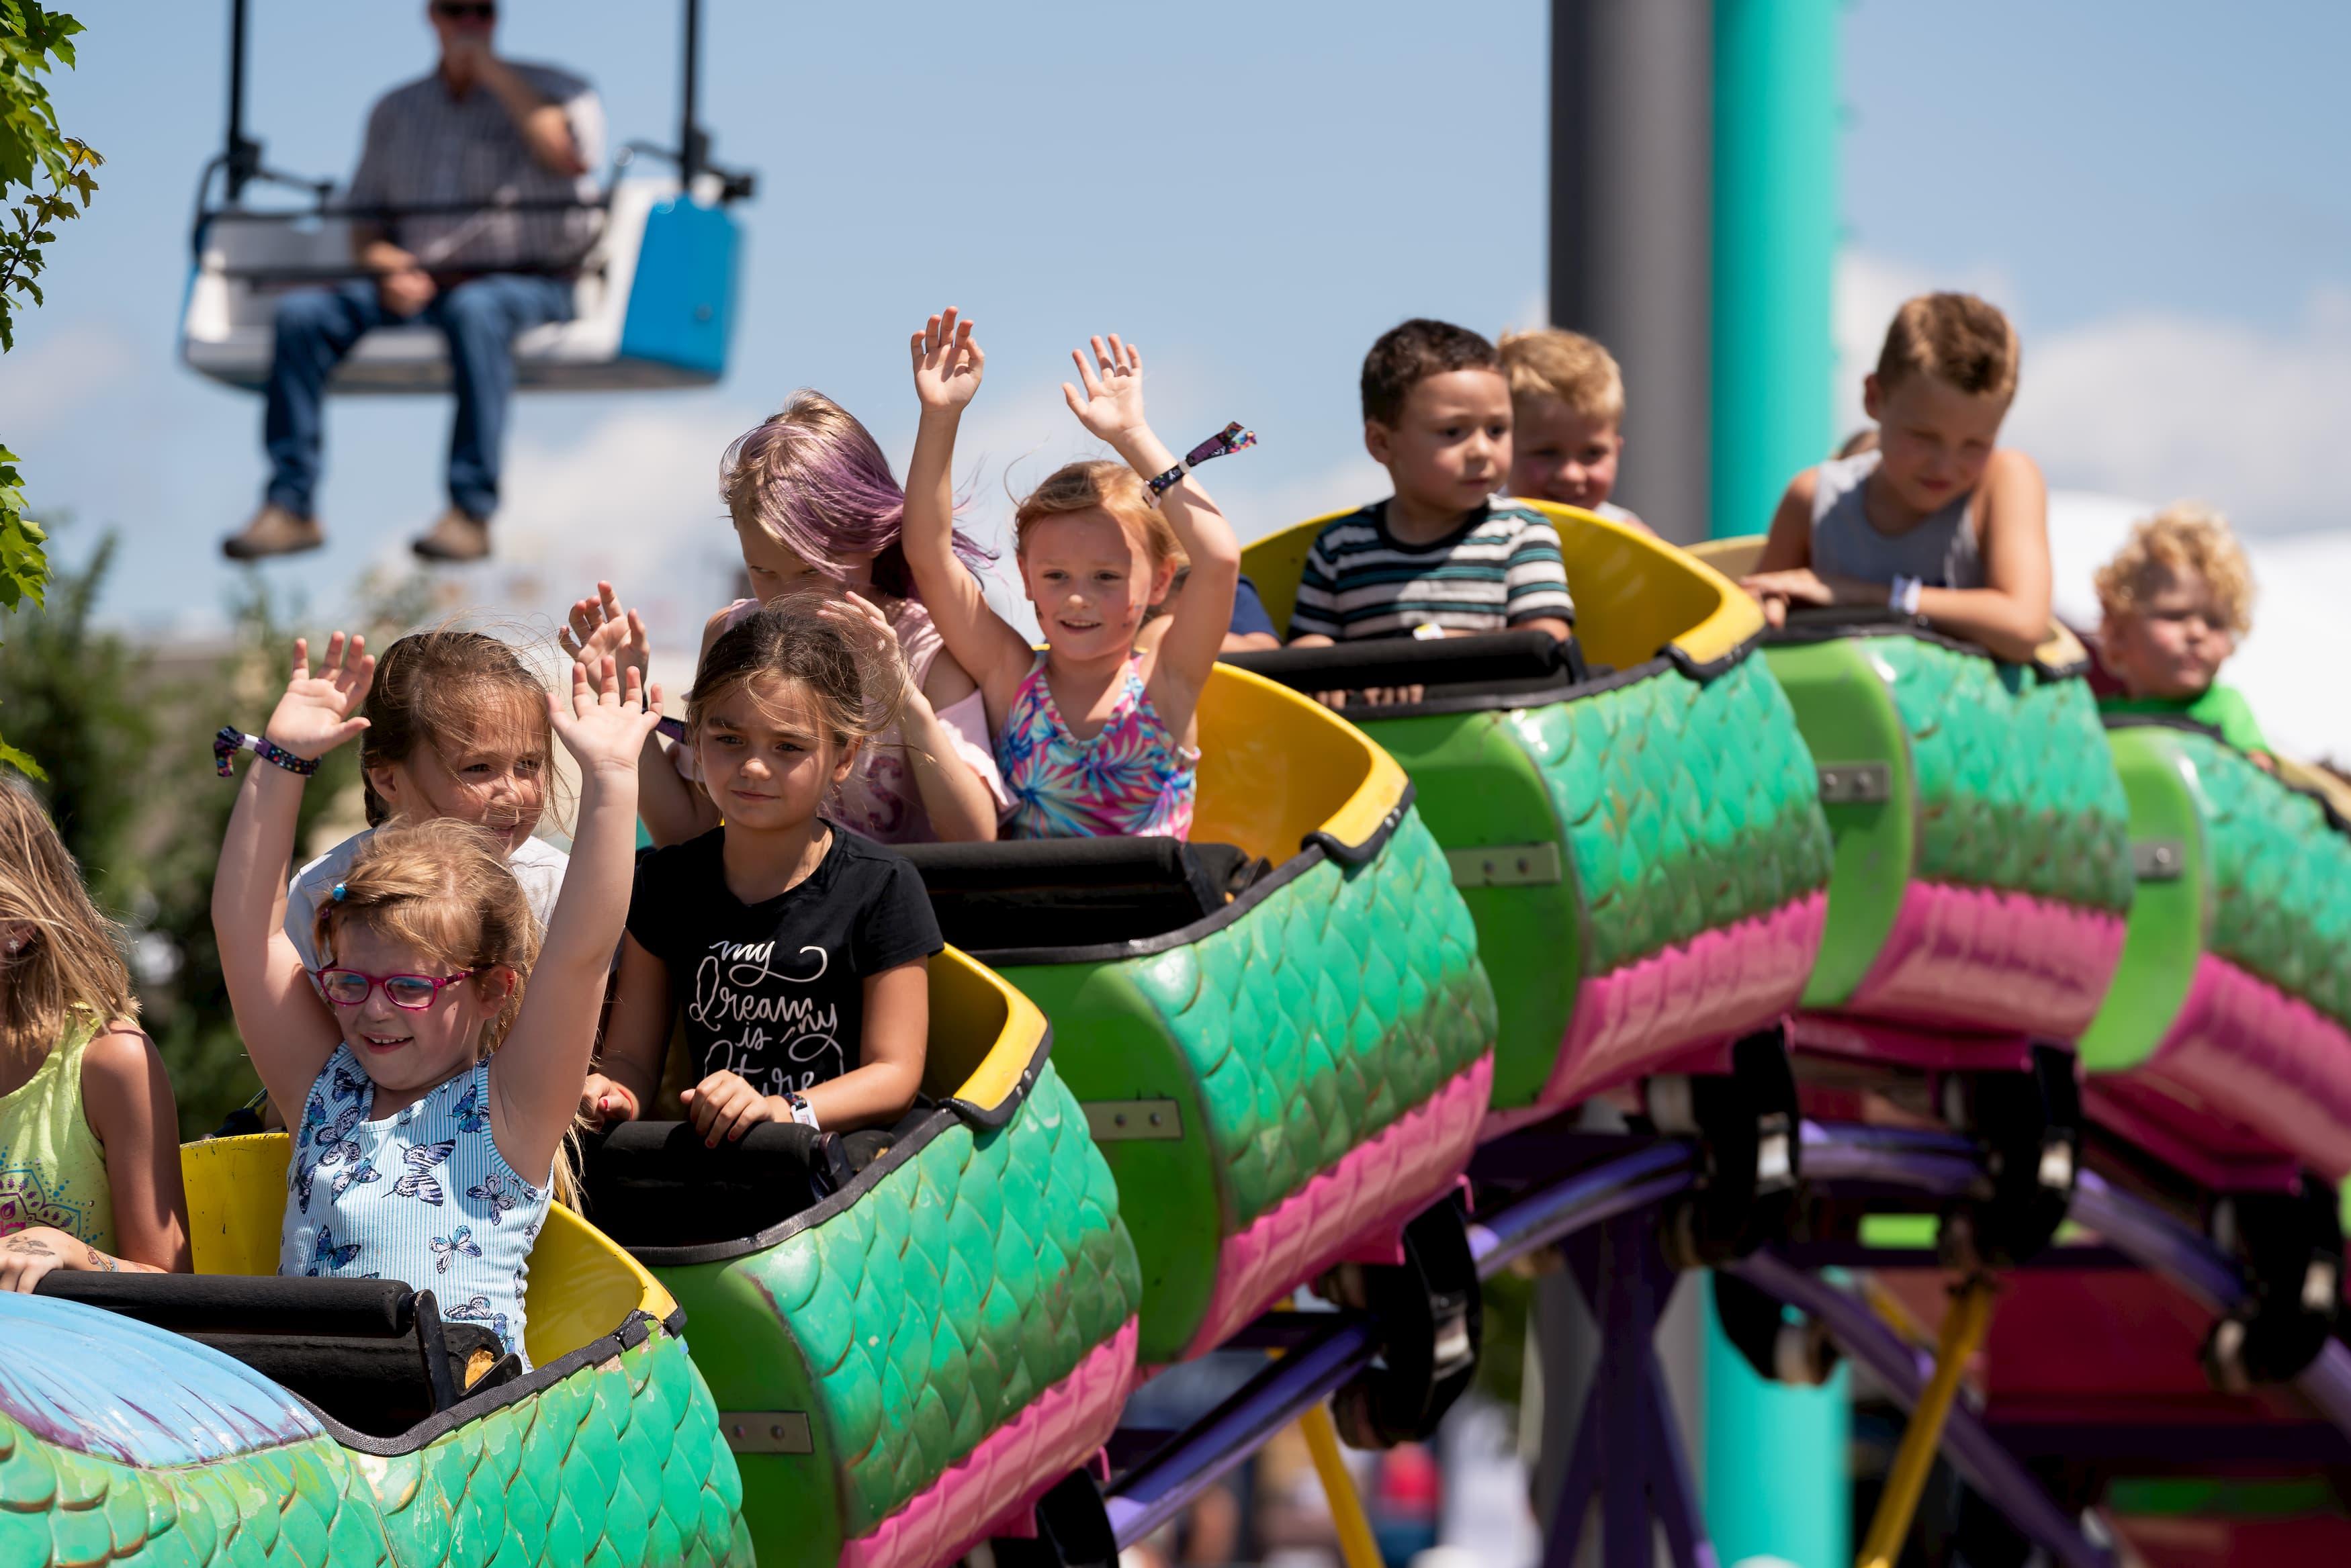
x=652, y=259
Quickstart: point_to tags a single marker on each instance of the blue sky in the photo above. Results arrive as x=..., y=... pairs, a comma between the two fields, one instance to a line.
x=2154, y=196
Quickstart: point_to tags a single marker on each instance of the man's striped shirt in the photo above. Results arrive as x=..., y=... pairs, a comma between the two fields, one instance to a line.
x=1501, y=569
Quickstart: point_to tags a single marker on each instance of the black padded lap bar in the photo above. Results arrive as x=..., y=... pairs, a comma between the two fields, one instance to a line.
x=1075, y=892
x=1826, y=623
x=1508, y=663
x=377, y=1385
x=655, y=1183
x=2180, y=722
x=372, y=1354
x=1825, y=617
x=244, y=1304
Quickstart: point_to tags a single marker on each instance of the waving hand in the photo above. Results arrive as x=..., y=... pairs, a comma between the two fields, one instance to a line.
x=948, y=363
x=1111, y=406
x=316, y=715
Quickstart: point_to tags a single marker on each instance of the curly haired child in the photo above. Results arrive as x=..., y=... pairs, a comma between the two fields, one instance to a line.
x=2175, y=599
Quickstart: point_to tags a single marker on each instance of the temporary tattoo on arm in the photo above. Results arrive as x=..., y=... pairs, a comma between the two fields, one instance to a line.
x=31, y=1246
x=98, y=1260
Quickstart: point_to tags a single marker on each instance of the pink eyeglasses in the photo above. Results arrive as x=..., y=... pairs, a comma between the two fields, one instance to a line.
x=410, y=993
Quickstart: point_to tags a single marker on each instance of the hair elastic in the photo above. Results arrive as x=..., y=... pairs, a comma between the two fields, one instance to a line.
x=336, y=892
x=232, y=739
x=1231, y=438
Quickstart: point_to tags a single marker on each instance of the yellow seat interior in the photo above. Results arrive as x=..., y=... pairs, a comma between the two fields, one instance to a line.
x=582, y=1285
x=1634, y=595
x=982, y=1034
x=2316, y=781
x=1276, y=766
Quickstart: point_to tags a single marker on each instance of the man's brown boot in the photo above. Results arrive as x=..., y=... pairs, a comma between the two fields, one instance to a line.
x=274, y=531
x=457, y=535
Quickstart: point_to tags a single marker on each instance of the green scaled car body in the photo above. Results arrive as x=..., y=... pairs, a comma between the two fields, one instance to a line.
x=1279, y=1030
x=231, y=1416
x=2225, y=1046
x=906, y=1354
x=1635, y=832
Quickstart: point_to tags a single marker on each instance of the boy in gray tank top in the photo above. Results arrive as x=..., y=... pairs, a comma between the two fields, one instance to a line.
x=1937, y=522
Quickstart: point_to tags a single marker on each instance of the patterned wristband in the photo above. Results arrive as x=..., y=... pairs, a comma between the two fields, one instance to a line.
x=1231, y=438
x=232, y=739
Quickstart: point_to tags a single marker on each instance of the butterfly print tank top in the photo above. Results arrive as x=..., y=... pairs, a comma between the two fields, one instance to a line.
x=422, y=1197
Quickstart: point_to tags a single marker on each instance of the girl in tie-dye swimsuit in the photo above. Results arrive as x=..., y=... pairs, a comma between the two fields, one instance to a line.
x=1094, y=738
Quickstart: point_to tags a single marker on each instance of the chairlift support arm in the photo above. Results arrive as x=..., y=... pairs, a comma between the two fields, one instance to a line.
x=240, y=157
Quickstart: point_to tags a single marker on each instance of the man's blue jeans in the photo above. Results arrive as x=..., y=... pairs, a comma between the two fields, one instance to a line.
x=481, y=318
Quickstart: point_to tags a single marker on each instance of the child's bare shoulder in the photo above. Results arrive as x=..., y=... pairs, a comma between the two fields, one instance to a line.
x=119, y=1064
x=2009, y=464
x=1805, y=487
x=720, y=619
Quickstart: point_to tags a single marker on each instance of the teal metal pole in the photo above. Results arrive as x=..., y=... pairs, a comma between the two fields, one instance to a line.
x=1776, y=1487
x=1776, y=118
x=1777, y=1481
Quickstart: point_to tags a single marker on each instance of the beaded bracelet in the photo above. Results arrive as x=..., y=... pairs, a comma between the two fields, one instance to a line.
x=1231, y=438
x=232, y=739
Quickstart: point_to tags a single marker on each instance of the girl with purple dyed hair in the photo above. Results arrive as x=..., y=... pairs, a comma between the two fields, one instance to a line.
x=817, y=512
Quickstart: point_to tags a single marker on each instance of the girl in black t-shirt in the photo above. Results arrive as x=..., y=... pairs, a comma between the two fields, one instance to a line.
x=799, y=953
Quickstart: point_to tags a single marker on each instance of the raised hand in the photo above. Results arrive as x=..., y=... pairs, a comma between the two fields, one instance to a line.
x=948, y=363
x=608, y=718
x=316, y=715
x=855, y=610
x=600, y=628
x=1111, y=407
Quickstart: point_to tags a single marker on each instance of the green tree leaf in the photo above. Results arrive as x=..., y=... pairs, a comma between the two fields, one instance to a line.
x=34, y=40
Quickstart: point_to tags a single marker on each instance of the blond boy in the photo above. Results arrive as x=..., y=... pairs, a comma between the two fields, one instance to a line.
x=2175, y=601
x=1567, y=410
x=1939, y=521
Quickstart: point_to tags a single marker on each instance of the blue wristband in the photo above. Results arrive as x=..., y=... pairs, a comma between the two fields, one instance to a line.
x=232, y=739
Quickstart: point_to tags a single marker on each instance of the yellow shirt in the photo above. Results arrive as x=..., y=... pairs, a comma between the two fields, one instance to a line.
x=52, y=1169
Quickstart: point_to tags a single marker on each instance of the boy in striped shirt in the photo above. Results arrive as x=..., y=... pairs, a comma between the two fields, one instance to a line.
x=1444, y=556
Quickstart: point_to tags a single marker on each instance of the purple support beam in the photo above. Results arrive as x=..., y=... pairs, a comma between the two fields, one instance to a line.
x=1156, y=1490
x=1988, y=1467
x=1588, y=1198
x=1630, y=1413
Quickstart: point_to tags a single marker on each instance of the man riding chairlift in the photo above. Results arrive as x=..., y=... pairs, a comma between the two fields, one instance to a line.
x=472, y=200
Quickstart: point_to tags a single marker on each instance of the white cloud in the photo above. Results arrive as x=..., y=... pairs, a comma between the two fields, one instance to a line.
x=2158, y=403
x=2158, y=406
x=2169, y=405
x=2291, y=666
x=632, y=498
x=50, y=380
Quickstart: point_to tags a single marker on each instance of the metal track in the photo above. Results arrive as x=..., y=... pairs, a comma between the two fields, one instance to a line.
x=1323, y=1350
